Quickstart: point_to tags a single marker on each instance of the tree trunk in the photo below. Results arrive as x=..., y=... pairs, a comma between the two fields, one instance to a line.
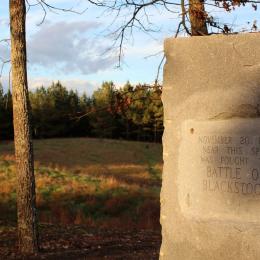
x=26, y=201
x=197, y=17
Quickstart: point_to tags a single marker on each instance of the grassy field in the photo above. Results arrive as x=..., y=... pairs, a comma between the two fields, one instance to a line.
x=94, y=182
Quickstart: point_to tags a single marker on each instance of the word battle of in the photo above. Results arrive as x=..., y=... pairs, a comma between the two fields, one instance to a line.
x=231, y=164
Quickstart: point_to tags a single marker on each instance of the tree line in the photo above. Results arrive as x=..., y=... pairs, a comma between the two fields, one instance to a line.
x=130, y=112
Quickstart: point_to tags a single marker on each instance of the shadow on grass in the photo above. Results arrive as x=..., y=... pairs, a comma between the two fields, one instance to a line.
x=117, y=208
x=115, y=225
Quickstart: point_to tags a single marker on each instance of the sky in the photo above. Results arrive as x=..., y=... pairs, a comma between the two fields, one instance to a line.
x=77, y=49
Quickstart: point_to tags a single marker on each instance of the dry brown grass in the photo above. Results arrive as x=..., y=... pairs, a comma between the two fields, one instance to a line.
x=90, y=181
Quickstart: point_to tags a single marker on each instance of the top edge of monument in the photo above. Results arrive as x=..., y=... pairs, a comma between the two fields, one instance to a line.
x=169, y=42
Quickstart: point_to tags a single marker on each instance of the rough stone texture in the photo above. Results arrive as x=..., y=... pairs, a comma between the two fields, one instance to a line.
x=211, y=88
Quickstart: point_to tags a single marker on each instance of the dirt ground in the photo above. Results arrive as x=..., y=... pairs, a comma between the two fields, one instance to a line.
x=78, y=242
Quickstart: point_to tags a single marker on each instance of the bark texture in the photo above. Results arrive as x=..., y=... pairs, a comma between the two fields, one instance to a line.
x=26, y=200
x=197, y=17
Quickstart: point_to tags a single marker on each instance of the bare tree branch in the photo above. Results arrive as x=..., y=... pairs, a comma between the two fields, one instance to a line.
x=136, y=15
x=45, y=6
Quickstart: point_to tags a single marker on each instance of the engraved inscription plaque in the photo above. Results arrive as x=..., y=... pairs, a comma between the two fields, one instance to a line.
x=219, y=163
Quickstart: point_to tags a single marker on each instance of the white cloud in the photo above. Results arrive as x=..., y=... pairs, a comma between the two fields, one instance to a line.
x=80, y=85
x=75, y=84
x=66, y=47
x=4, y=51
x=4, y=80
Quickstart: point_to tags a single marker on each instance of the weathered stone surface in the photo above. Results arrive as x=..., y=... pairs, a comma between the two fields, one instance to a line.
x=210, y=198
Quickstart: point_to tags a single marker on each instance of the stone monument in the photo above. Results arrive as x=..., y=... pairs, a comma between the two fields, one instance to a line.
x=210, y=198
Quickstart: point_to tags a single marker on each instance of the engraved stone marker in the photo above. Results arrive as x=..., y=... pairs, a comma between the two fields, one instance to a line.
x=223, y=176
x=210, y=199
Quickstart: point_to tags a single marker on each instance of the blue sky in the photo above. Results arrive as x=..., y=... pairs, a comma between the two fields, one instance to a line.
x=73, y=48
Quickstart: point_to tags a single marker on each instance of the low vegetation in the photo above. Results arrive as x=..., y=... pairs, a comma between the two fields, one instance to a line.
x=94, y=182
